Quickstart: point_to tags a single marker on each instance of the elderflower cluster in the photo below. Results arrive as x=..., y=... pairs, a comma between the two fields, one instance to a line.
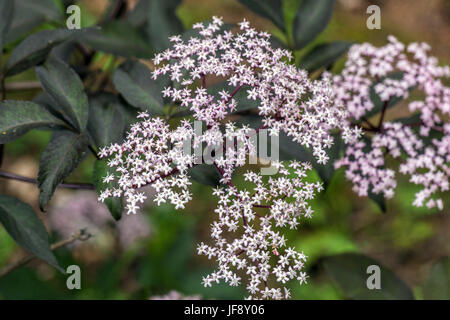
x=421, y=143
x=287, y=99
x=255, y=249
x=151, y=154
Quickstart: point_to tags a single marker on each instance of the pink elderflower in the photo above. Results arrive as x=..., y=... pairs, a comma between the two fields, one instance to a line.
x=151, y=155
x=248, y=243
x=287, y=99
x=421, y=144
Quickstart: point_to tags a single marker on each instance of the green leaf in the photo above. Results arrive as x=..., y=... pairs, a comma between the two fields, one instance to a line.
x=29, y=14
x=437, y=286
x=270, y=9
x=133, y=80
x=66, y=88
x=18, y=117
x=25, y=227
x=205, y=174
x=349, y=272
x=115, y=205
x=59, y=159
x=376, y=100
x=324, y=55
x=64, y=51
x=414, y=119
x=137, y=17
x=119, y=38
x=291, y=150
x=106, y=121
x=379, y=200
x=6, y=14
x=311, y=19
x=47, y=102
x=34, y=49
x=163, y=23
x=45, y=8
x=22, y=23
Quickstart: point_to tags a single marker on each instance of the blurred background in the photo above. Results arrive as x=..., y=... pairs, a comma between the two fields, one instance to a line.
x=153, y=253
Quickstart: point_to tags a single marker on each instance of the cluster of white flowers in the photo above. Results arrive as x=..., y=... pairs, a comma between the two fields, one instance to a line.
x=423, y=144
x=287, y=99
x=153, y=153
x=249, y=243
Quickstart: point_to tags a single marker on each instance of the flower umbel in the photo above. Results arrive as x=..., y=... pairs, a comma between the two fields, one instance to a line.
x=421, y=142
x=286, y=101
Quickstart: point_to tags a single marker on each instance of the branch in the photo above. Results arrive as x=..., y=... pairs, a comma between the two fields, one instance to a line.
x=383, y=111
x=203, y=81
x=372, y=127
x=3, y=87
x=12, y=176
x=233, y=93
x=81, y=235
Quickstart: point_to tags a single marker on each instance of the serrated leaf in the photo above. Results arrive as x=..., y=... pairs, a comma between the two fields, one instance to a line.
x=115, y=205
x=29, y=14
x=25, y=227
x=133, y=80
x=119, y=38
x=6, y=14
x=63, y=51
x=205, y=174
x=437, y=285
x=18, y=117
x=163, y=23
x=34, y=49
x=311, y=19
x=181, y=113
x=60, y=158
x=66, y=88
x=47, y=102
x=22, y=23
x=324, y=55
x=349, y=272
x=270, y=9
x=106, y=121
